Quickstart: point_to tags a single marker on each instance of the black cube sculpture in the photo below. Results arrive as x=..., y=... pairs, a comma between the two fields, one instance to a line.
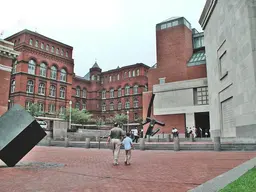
x=19, y=133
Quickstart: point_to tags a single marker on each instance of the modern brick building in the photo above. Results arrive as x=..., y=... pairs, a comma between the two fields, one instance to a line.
x=44, y=73
x=179, y=79
x=7, y=55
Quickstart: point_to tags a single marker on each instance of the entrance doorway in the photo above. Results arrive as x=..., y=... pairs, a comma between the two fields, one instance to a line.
x=202, y=120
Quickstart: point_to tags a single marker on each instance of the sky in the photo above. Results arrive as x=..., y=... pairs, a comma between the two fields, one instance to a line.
x=113, y=32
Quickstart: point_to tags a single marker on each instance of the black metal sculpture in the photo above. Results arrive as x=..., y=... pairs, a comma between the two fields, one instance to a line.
x=19, y=133
x=152, y=122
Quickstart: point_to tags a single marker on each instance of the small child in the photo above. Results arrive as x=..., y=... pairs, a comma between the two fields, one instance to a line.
x=127, y=142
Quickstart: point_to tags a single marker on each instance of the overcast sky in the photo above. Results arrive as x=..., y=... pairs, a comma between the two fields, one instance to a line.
x=115, y=32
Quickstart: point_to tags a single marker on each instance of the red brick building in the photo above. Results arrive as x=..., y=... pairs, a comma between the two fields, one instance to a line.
x=7, y=55
x=44, y=73
x=179, y=72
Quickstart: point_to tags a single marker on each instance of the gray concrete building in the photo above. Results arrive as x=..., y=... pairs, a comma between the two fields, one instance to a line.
x=230, y=42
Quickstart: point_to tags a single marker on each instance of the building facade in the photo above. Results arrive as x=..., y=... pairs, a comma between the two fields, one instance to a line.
x=7, y=55
x=43, y=73
x=229, y=28
x=179, y=78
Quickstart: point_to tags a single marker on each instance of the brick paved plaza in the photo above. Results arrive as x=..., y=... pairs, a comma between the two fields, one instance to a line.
x=77, y=169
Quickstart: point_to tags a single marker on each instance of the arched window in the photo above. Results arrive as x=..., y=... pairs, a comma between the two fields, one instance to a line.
x=43, y=70
x=42, y=45
x=135, y=103
x=63, y=75
x=111, y=106
x=103, y=94
x=36, y=43
x=32, y=67
x=51, y=108
x=52, y=49
x=119, y=93
x=84, y=106
x=14, y=68
x=62, y=93
x=135, y=89
x=133, y=73
x=127, y=104
x=118, y=77
x=84, y=93
x=119, y=105
x=103, y=106
x=125, y=75
x=47, y=47
x=110, y=78
x=30, y=41
x=30, y=86
x=127, y=90
x=52, y=91
x=13, y=86
x=137, y=72
x=130, y=74
x=57, y=51
x=41, y=107
x=53, y=72
x=93, y=77
x=112, y=91
x=41, y=89
x=77, y=105
x=78, y=91
x=61, y=52
x=62, y=110
x=98, y=77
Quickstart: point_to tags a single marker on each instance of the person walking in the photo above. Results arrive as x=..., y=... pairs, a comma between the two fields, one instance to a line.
x=128, y=146
x=136, y=136
x=116, y=135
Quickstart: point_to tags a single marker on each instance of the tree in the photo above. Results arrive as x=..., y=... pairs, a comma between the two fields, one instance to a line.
x=34, y=110
x=120, y=119
x=99, y=121
x=77, y=116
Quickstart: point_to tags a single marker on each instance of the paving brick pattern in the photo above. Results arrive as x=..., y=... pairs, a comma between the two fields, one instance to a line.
x=92, y=170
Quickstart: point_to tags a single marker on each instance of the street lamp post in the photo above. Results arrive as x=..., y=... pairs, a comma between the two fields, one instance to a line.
x=127, y=121
x=70, y=110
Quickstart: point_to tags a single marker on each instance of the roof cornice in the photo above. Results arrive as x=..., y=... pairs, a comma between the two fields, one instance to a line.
x=207, y=12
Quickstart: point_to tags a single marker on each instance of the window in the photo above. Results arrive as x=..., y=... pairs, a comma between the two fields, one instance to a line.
x=202, y=96
x=127, y=104
x=135, y=89
x=93, y=77
x=52, y=91
x=30, y=86
x=52, y=49
x=62, y=92
x=118, y=77
x=125, y=75
x=136, y=116
x=133, y=73
x=51, y=108
x=110, y=78
x=57, y=51
x=163, y=26
x=98, y=77
x=137, y=72
x=62, y=110
x=61, y=52
x=43, y=70
x=30, y=41
x=145, y=88
x=84, y=106
x=112, y=93
x=119, y=107
x=42, y=45
x=127, y=90
x=41, y=107
x=198, y=42
x=78, y=91
x=66, y=54
x=84, y=93
x=130, y=74
x=111, y=106
x=103, y=107
x=32, y=67
x=47, y=47
x=13, y=86
x=161, y=80
x=53, y=72
x=14, y=68
x=77, y=105
x=135, y=103
x=41, y=89
x=28, y=105
x=36, y=43
x=103, y=94
x=119, y=92
x=63, y=75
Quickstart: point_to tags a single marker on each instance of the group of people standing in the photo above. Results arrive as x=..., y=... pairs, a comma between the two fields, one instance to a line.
x=117, y=137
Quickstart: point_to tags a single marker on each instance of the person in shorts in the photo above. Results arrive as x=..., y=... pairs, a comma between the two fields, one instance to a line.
x=128, y=146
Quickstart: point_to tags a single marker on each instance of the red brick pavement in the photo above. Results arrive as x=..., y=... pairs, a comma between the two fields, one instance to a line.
x=92, y=170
